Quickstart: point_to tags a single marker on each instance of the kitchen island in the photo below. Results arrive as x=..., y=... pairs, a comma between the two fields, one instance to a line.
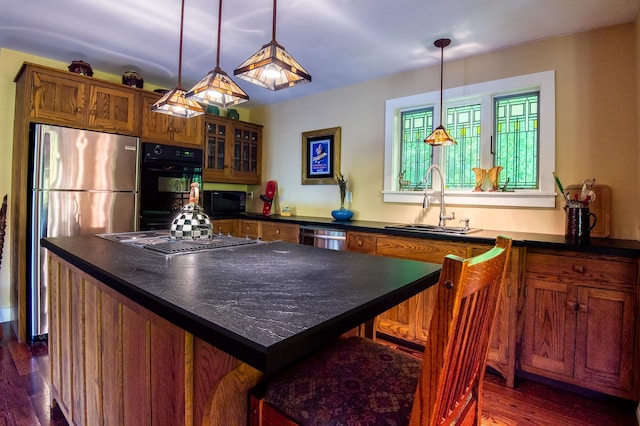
x=142, y=338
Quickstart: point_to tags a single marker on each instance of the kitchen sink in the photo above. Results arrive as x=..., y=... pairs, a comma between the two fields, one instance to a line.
x=433, y=229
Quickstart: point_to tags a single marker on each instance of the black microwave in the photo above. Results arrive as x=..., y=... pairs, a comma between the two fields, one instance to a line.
x=224, y=202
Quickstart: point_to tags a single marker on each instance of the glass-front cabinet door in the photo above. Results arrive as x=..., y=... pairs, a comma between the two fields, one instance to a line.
x=233, y=151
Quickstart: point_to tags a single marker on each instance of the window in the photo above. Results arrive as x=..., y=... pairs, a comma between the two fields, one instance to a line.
x=509, y=123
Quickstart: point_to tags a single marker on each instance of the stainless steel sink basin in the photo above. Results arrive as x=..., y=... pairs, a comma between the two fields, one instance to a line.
x=433, y=229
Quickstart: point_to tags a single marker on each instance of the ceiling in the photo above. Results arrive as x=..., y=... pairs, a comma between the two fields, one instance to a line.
x=339, y=42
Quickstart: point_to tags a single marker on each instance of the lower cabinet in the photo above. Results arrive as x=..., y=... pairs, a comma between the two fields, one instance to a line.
x=580, y=320
x=224, y=226
x=113, y=362
x=409, y=322
x=269, y=231
x=272, y=231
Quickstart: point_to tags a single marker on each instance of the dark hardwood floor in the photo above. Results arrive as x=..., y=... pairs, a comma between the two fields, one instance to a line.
x=25, y=400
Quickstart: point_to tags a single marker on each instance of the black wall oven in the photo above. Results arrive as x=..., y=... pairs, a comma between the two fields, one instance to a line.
x=166, y=174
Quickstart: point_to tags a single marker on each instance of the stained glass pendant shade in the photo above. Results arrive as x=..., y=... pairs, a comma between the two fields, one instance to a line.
x=440, y=136
x=174, y=102
x=272, y=67
x=217, y=88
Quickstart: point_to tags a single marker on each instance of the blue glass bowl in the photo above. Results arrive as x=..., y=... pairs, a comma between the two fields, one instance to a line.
x=342, y=214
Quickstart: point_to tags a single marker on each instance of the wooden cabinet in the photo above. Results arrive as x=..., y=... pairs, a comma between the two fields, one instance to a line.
x=272, y=231
x=54, y=97
x=64, y=98
x=113, y=362
x=362, y=242
x=502, y=346
x=408, y=323
x=248, y=228
x=164, y=128
x=410, y=320
x=269, y=231
x=224, y=226
x=580, y=320
x=112, y=109
x=232, y=151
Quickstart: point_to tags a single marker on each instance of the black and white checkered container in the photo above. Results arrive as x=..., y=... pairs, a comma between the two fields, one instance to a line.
x=191, y=224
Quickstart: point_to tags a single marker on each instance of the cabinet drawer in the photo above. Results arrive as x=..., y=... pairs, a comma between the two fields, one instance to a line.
x=249, y=228
x=615, y=271
x=418, y=249
x=274, y=231
x=361, y=242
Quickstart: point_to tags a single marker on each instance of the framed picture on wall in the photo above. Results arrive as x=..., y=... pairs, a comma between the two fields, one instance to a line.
x=320, y=156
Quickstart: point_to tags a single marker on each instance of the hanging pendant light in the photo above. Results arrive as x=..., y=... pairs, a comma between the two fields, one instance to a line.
x=217, y=88
x=272, y=67
x=440, y=136
x=174, y=102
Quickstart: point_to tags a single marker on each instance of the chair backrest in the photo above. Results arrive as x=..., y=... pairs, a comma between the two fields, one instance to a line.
x=456, y=349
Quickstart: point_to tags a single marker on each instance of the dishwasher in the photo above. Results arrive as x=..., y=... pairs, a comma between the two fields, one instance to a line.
x=322, y=237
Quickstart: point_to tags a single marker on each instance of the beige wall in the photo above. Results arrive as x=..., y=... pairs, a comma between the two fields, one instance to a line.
x=595, y=96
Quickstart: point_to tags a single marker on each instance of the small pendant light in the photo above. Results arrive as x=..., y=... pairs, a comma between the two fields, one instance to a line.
x=217, y=88
x=440, y=136
x=271, y=66
x=174, y=102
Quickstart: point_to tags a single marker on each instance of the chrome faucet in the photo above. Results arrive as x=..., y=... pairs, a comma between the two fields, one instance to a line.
x=425, y=204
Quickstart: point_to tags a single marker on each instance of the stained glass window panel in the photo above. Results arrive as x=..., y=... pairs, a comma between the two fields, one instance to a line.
x=415, y=155
x=517, y=139
x=463, y=124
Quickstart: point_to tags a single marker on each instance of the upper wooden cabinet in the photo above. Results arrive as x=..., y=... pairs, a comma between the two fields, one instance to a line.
x=232, y=151
x=112, y=109
x=63, y=98
x=167, y=129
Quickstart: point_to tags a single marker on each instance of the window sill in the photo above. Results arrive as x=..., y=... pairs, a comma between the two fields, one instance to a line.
x=535, y=199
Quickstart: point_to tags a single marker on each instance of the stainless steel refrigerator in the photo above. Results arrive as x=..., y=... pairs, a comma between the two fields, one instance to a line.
x=83, y=182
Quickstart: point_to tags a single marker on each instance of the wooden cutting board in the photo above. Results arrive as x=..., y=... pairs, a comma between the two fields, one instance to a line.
x=601, y=207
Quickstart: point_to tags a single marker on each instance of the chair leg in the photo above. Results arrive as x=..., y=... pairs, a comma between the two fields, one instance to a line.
x=262, y=414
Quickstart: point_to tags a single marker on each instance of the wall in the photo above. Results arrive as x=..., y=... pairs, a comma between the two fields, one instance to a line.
x=596, y=131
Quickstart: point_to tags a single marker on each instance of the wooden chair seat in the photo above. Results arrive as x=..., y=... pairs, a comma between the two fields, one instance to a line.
x=357, y=381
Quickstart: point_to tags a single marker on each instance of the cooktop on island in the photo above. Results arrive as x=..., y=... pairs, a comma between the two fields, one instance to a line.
x=161, y=242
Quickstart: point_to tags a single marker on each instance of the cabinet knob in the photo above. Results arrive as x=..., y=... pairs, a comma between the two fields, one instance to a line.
x=582, y=308
x=572, y=305
x=578, y=268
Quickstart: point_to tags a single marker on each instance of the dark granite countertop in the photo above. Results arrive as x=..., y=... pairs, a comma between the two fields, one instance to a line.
x=267, y=304
x=607, y=246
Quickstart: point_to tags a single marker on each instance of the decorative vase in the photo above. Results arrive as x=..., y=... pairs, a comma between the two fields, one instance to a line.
x=481, y=175
x=81, y=67
x=192, y=222
x=494, y=176
x=342, y=214
x=133, y=79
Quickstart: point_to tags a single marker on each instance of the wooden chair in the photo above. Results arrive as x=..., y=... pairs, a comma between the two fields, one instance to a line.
x=358, y=381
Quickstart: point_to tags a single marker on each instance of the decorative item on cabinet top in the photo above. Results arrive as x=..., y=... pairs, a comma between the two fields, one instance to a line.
x=133, y=79
x=81, y=67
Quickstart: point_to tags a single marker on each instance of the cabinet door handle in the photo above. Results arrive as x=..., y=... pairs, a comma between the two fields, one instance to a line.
x=572, y=305
x=582, y=308
x=578, y=268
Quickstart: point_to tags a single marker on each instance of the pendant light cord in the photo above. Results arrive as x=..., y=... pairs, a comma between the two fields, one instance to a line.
x=219, y=32
x=273, y=35
x=180, y=58
x=441, y=78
